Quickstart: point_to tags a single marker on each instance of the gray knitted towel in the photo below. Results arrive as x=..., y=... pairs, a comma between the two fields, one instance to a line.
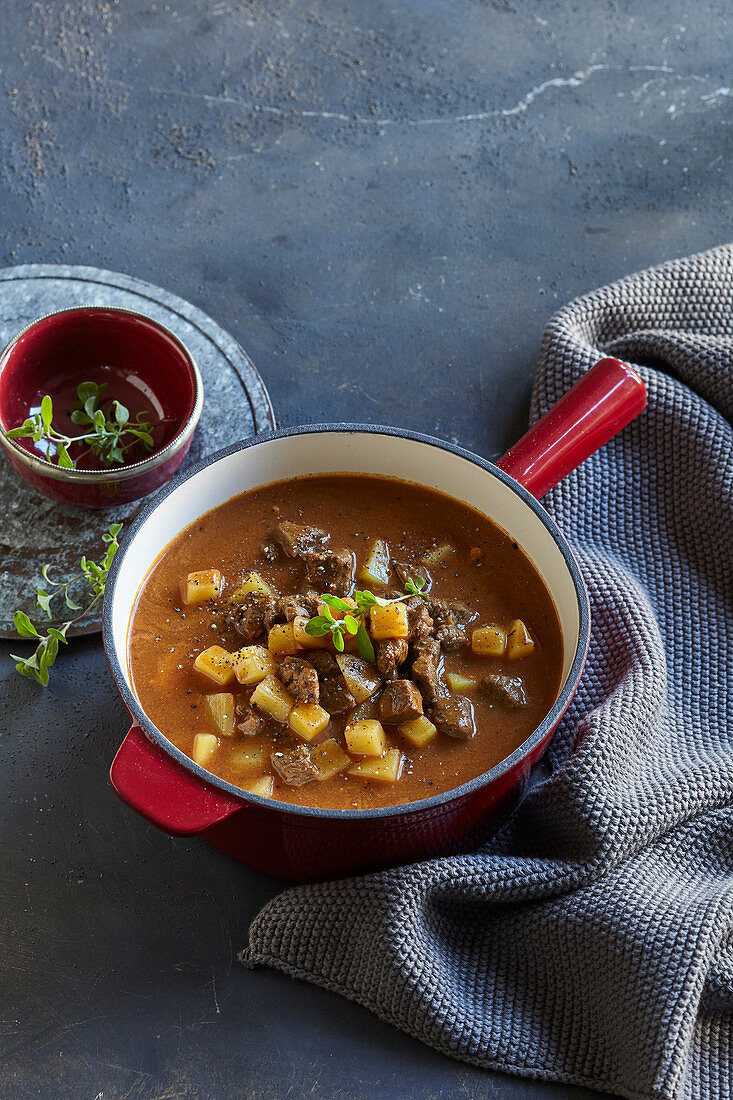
x=592, y=940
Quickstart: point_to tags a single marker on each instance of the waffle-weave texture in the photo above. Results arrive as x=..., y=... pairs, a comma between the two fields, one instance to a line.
x=591, y=941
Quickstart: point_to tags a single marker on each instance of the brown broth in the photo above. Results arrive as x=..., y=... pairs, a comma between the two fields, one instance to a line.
x=166, y=636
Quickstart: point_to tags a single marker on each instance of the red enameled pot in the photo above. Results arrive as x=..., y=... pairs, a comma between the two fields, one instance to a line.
x=155, y=778
x=143, y=365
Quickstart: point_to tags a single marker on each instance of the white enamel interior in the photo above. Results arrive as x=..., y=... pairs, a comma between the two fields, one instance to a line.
x=329, y=452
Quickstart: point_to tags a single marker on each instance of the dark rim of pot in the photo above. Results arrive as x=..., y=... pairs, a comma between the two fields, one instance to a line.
x=521, y=752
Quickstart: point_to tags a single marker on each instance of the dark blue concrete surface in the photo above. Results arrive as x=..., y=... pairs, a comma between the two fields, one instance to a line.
x=384, y=203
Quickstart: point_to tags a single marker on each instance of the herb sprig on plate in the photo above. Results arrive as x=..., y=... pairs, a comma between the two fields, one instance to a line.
x=109, y=433
x=95, y=574
x=353, y=622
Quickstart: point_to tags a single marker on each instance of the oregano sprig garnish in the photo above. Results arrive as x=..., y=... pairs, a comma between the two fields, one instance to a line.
x=354, y=618
x=109, y=434
x=45, y=653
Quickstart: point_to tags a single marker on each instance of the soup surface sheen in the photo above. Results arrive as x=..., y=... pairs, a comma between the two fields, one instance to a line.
x=485, y=570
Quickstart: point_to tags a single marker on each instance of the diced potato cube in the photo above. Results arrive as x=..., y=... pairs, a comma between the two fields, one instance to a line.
x=281, y=640
x=247, y=760
x=304, y=639
x=329, y=758
x=376, y=568
x=253, y=582
x=308, y=720
x=273, y=698
x=215, y=663
x=252, y=663
x=385, y=769
x=388, y=622
x=419, y=731
x=366, y=738
x=221, y=709
x=200, y=587
x=262, y=786
x=362, y=679
x=204, y=747
x=457, y=682
x=438, y=555
x=489, y=641
x=519, y=641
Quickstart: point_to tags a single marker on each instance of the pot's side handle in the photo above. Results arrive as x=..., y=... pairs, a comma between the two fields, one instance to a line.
x=597, y=407
x=163, y=792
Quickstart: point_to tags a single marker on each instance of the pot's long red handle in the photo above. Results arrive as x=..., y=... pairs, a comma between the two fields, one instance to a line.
x=163, y=792
x=597, y=407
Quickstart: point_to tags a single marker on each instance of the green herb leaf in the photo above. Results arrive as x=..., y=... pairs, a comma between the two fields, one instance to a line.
x=28, y=427
x=364, y=644
x=24, y=627
x=87, y=390
x=26, y=667
x=415, y=587
x=350, y=624
x=338, y=640
x=63, y=457
x=122, y=415
x=335, y=602
x=318, y=626
x=44, y=601
x=365, y=599
x=47, y=411
x=52, y=648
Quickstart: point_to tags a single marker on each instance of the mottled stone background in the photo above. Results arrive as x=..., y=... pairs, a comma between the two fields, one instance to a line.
x=383, y=203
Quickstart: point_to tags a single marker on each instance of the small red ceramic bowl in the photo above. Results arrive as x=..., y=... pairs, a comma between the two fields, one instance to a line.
x=145, y=367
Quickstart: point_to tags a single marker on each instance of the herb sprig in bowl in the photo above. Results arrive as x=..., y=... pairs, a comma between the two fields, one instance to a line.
x=109, y=434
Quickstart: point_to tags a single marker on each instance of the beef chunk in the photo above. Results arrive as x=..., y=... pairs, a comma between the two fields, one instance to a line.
x=335, y=695
x=426, y=652
x=324, y=663
x=294, y=768
x=407, y=571
x=249, y=617
x=309, y=599
x=330, y=570
x=250, y=721
x=298, y=539
x=399, y=702
x=286, y=608
x=300, y=678
x=296, y=607
x=390, y=655
x=506, y=690
x=419, y=619
x=451, y=618
x=453, y=714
